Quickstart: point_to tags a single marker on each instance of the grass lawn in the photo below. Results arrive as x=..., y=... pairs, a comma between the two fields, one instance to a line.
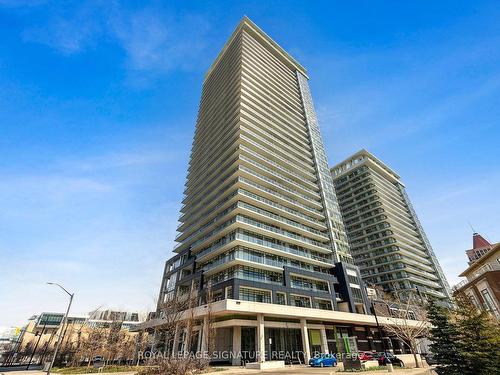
x=378, y=368
x=91, y=370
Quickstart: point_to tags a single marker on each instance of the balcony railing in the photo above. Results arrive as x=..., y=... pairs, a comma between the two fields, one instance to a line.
x=460, y=285
x=250, y=255
x=307, y=185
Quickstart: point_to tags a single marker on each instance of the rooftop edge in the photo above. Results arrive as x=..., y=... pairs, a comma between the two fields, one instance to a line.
x=275, y=48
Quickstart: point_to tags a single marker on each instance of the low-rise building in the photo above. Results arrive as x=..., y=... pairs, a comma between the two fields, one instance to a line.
x=482, y=284
x=480, y=246
x=9, y=341
x=37, y=339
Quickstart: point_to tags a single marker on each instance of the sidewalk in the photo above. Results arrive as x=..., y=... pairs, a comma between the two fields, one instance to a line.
x=306, y=370
x=38, y=372
x=296, y=370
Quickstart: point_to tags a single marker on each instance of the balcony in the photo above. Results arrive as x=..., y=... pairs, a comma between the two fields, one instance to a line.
x=314, y=211
x=284, y=220
x=307, y=187
x=290, y=236
x=460, y=285
x=250, y=255
x=244, y=236
x=283, y=208
x=301, y=173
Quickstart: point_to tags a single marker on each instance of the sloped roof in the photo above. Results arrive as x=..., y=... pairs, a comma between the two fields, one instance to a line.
x=479, y=242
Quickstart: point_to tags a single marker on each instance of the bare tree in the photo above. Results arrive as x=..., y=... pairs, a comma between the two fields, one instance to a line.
x=179, y=316
x=140, y=344
x=126, y=347
x=408, y=320
x=173, y=321
x=92, y=344
x=114, y=339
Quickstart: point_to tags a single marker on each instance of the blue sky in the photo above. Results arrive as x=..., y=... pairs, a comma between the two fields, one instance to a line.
x=98, y=102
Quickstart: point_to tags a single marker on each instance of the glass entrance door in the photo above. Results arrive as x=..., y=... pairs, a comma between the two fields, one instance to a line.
x=248, y=344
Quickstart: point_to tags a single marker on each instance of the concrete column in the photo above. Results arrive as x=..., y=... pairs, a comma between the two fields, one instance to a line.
x=388, y=344
x=401, y=346
x=187, y=338
x=186, y=344
x=261, y=339
x=175, y=344
x=369, y=337
x=153, y=341
x=236, y=361
x=305, y=340
x=198, y=346
x=324, y=341
x=204, y=343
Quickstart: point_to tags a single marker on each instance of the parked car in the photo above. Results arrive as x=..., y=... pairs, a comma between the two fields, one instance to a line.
x=323, y=360
x=383, y=360
x=365, y=356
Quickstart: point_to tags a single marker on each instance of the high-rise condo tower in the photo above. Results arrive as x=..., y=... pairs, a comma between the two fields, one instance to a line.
x=387, y=240
x=260, y=225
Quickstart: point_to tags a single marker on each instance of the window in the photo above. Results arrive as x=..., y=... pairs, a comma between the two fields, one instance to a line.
x=255, y=295
x=218, y=295
x=308, y=284
x=50, y=319
x=183, y=289
x=300, y=301
x=356, y=293
x=490, y=305
x=280, y=298
x=171, y=281
x=473, y=299
x=353, y=279
x=168, y=296
x=323, y=304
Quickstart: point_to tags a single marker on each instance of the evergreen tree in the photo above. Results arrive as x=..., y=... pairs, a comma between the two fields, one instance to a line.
x=466, y=340
x=444, y=336
x=479, y=341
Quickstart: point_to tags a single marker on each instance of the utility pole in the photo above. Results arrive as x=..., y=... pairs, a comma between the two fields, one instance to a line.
x=63, y=323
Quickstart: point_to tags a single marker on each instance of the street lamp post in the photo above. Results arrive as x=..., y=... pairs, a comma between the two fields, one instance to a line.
x=388, y=361
x=63, y=323
x=36, y=346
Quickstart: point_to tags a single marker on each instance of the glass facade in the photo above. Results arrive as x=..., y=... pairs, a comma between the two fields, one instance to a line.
x=255, y=295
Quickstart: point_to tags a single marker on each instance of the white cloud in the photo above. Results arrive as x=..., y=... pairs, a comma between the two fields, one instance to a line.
x=152, y=39
x=68, y=33
x=154, y=42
